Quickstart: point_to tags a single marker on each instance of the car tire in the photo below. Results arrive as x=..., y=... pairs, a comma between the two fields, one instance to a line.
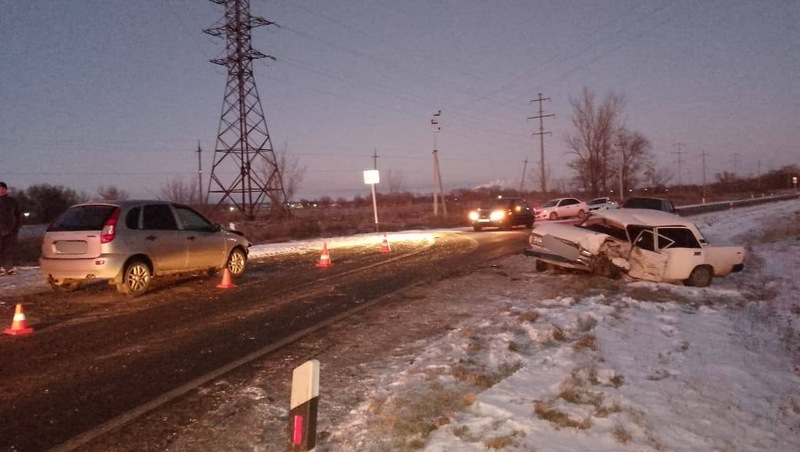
x=581, y=213
x=701, y=276
x=476, y=228
x=541, y=266
x=553, y=216
x=529, y=224
x=136, y=278
x=237, y=262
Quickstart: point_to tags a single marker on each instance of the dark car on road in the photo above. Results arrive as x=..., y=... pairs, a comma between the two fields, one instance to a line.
x=650, y=203
x=503, y=213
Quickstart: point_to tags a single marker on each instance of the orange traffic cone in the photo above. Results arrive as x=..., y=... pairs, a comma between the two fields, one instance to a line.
x=226, y=280
x=385, y=246
x=324, y=258
x=18, y=325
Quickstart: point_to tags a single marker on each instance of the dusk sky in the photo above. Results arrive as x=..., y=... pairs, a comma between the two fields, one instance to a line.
x=111, y=92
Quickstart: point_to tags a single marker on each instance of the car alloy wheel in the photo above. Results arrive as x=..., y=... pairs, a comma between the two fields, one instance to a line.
x=237, y=261
x=135, y=279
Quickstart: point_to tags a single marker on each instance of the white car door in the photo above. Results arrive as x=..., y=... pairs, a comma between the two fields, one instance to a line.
x=645, y=262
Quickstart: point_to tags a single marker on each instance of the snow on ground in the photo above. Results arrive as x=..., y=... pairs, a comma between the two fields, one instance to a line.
x=614, y=366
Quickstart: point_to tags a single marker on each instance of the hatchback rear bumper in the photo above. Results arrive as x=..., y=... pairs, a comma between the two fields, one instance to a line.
x=61, y=270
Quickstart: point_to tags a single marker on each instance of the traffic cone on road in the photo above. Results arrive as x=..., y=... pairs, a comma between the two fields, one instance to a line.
x=385, y=246
x=324, y=258
x=18, y=325
x=226, y=280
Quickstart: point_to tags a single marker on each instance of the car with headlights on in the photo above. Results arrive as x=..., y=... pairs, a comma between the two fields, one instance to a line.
x=603, y=203
x=560, y=208
x=503, y=213
x=643, y=244
x=128, y=243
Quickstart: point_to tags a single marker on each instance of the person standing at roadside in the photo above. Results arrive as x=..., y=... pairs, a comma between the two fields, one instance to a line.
x=10, y=222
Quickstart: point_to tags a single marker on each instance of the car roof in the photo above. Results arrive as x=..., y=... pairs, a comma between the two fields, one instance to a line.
x=644, y=217
x=124, y=204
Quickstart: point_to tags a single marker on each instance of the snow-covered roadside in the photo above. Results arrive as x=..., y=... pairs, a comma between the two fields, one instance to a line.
x=646, y=367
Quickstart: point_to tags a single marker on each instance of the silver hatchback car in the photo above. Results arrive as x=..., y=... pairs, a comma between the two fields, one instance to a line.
x=130, y=242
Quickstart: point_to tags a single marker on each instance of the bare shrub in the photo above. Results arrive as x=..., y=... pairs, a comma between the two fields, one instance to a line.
x=529, y=316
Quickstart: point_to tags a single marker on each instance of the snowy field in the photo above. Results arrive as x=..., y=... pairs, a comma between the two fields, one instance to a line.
x=570, y=362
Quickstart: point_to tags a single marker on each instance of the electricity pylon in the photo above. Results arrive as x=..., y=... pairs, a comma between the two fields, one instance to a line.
x=243, y=154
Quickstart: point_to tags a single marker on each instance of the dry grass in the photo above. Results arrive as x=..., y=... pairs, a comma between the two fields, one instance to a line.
x=585, y=342
x=621, y=435
x=529, y=316
x=547, y=412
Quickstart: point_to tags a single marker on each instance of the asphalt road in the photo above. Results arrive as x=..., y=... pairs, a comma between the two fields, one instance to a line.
x=97, y=355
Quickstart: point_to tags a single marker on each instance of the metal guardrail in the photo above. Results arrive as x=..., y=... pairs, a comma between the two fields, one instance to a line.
x=697, y=209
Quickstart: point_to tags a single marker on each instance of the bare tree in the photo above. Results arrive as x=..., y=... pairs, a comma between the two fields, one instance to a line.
x=395, y=180
x=112, y=193
x=181, y=191
x=592, y=141
x=656, y=177
x=292, y=175
x=634, y=152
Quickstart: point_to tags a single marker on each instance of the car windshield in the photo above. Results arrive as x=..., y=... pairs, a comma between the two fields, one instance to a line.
x=83, y=218
x=550, y=203
x=597, y=201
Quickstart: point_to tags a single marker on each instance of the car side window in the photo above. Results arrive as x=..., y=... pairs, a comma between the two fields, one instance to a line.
x=159, y=217
x=193, y=221
x=677, y=238
x=645, y=240
x=132, y=219
x=569, y=202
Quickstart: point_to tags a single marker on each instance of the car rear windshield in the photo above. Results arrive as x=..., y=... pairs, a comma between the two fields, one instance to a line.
x=83, y=218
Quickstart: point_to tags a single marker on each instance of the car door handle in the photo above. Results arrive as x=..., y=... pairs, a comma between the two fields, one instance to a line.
x=151, y=238
x=191, y=237
x=698, y=253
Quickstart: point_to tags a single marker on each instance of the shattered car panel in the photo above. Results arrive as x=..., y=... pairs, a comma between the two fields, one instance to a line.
x=643, y=244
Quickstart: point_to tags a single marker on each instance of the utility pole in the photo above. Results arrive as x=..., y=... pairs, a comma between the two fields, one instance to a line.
x=375, y=158
x=243, y=148
x=437, y=174
x=736, y=156
x=703, y=154
x=679, y=152
x=199, y=173
x=541, y=134
x=524, y=169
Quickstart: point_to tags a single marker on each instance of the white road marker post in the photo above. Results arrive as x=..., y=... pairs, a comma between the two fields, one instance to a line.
x=303, y=407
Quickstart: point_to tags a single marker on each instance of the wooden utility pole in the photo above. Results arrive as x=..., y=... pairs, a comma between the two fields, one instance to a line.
x=541, y=134
x=437, y=174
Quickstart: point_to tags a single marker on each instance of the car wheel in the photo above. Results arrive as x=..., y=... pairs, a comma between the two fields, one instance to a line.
x=581, y=213
x=701, y=276
x=66, y=287
x=237, y=262
x=135, y=278
x=476, y=228
x=553, y=216
x=529, y=224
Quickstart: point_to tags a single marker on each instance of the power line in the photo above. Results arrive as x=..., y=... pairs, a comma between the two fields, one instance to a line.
x=541, y=133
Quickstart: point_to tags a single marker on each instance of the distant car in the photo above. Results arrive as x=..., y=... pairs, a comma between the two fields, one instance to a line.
x=503, y=213
x=649, y=203
x=643, y=244
x=130, y=242
x=603, y=203
x=559, y=208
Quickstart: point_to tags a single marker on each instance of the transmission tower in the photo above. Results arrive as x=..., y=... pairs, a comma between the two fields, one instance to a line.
x=243, y=155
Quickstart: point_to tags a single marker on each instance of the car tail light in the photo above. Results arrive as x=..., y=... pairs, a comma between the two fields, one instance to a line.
x=110, y=227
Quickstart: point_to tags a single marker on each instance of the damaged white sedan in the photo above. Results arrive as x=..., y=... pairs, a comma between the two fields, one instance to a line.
x=643, y=244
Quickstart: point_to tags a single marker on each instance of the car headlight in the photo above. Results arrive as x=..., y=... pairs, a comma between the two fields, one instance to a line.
x=497, y=215
x=473, y=215
x=536, y=240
